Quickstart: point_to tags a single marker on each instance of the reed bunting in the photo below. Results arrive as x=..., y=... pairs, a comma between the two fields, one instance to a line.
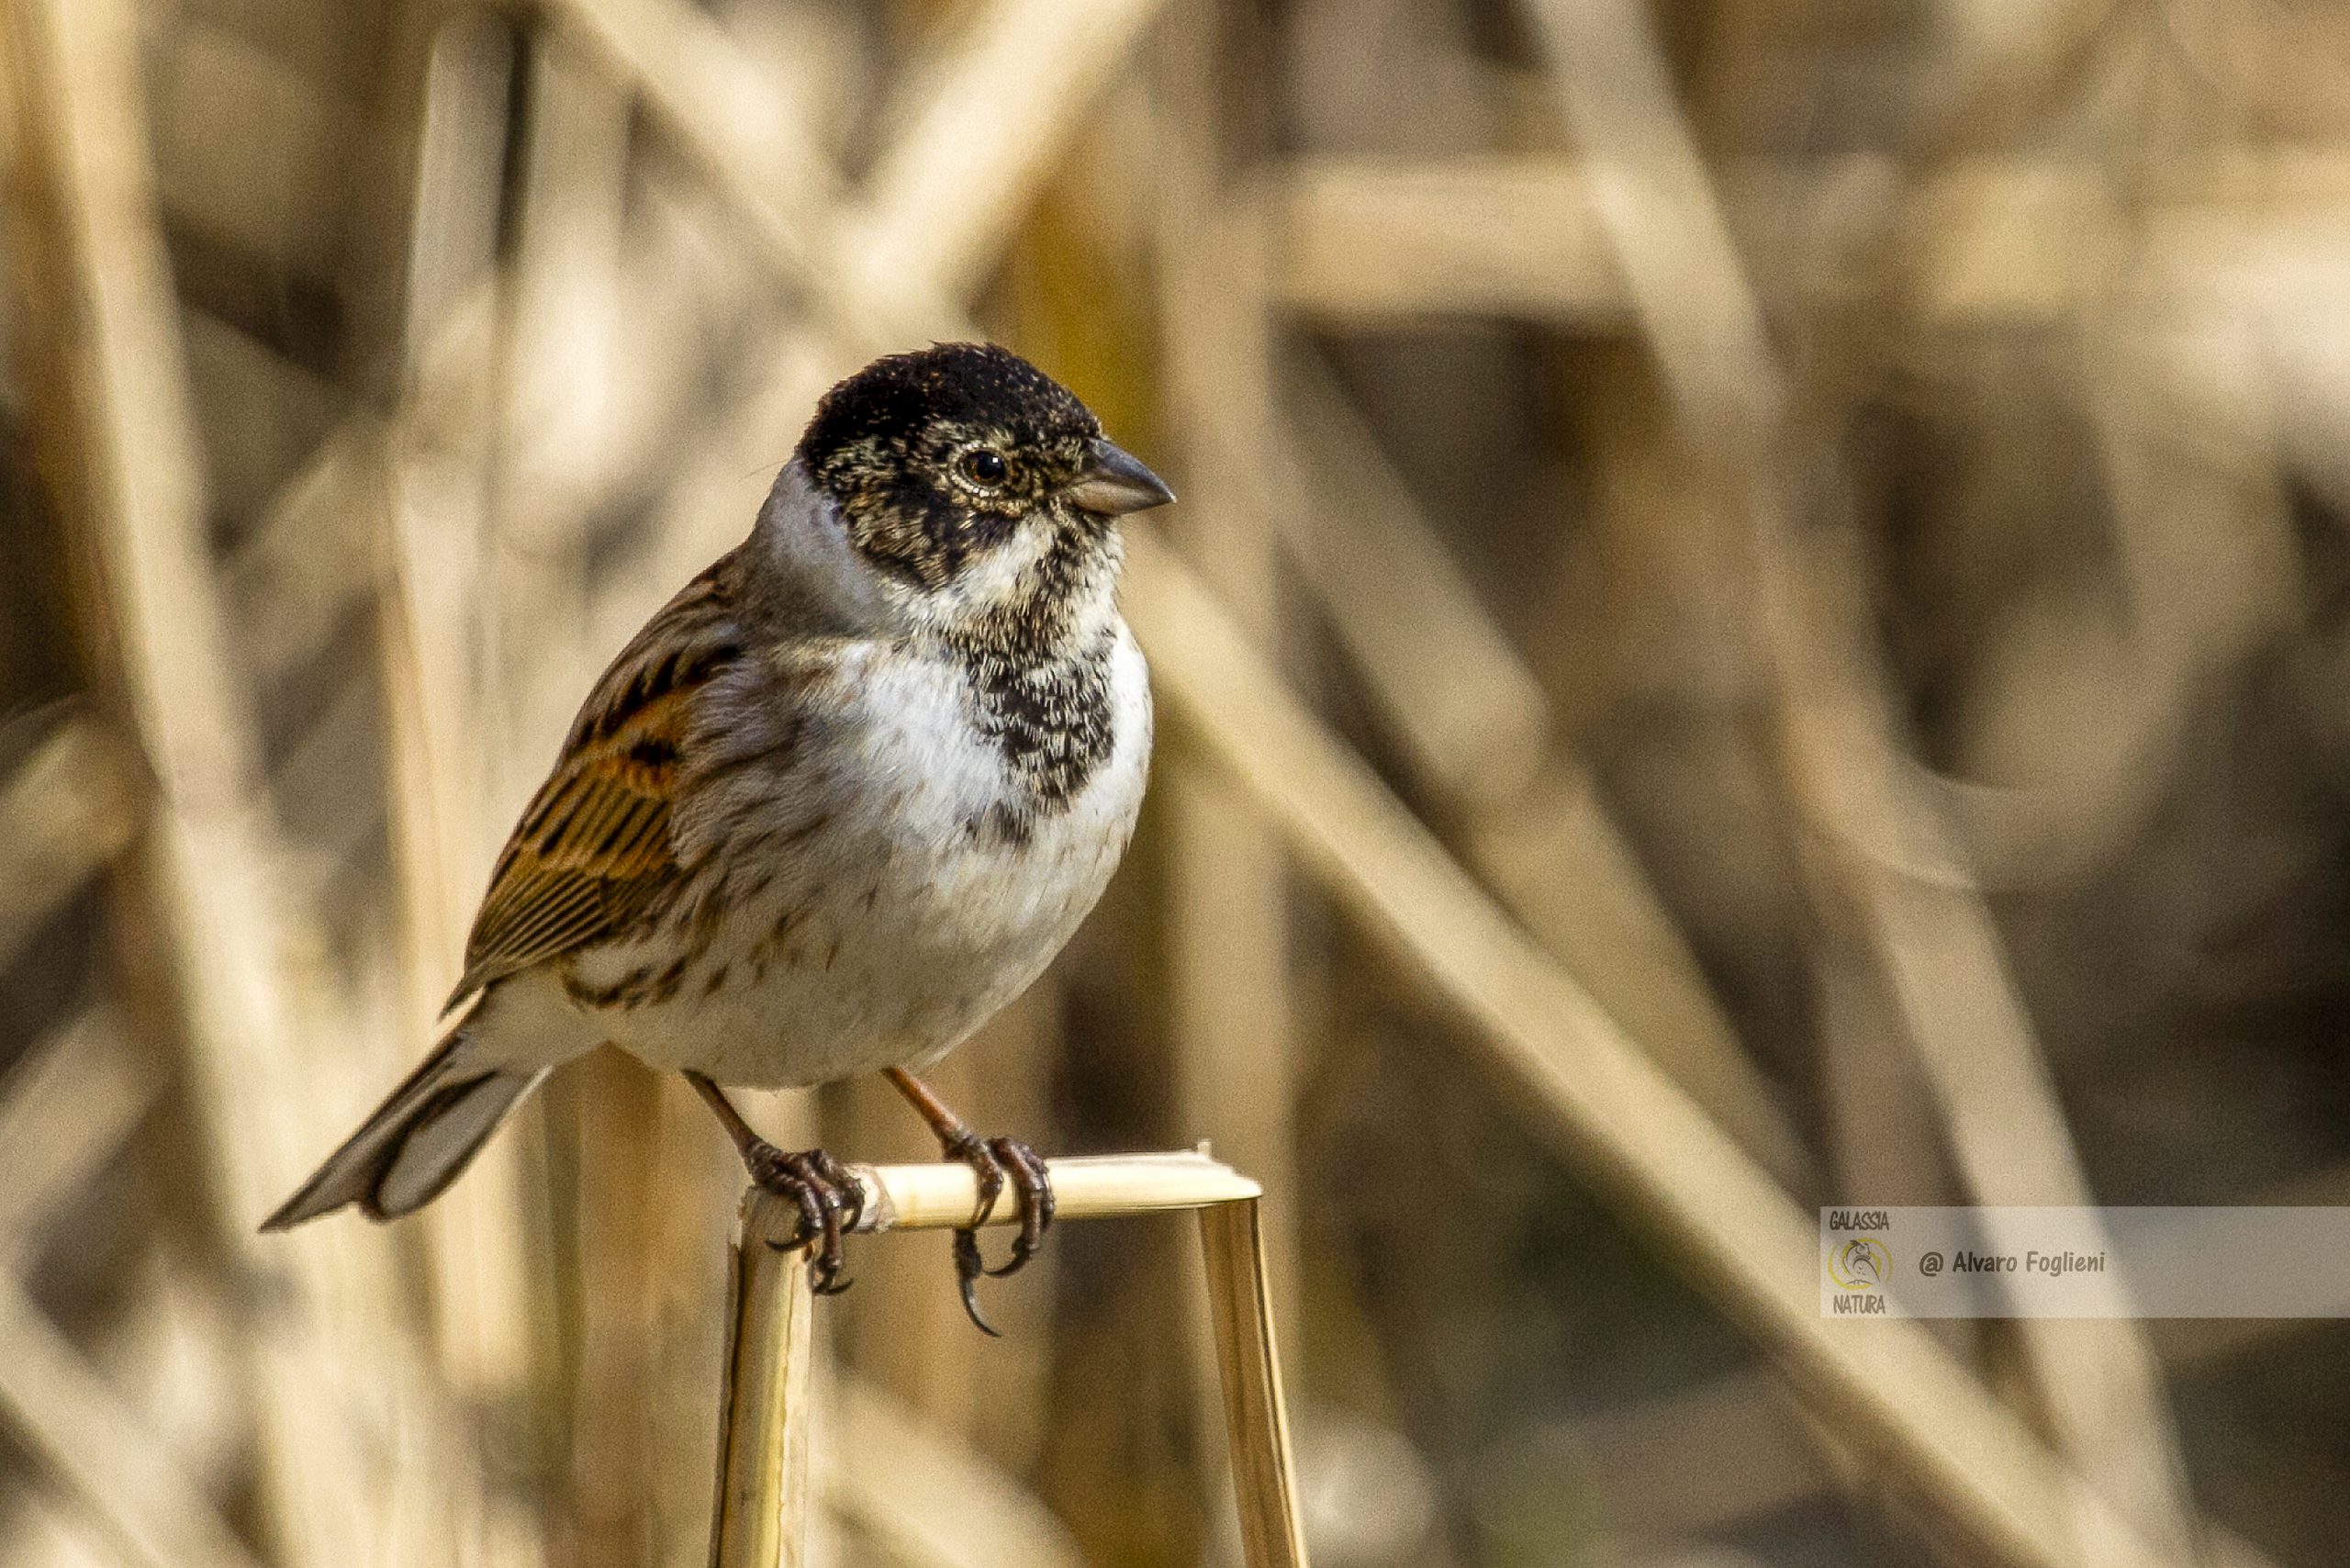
x=840, y=800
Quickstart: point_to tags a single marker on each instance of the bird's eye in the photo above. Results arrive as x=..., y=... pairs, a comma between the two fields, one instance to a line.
x=985, y=466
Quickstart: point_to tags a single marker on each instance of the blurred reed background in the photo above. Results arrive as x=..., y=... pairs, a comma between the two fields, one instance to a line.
x=1760, y=617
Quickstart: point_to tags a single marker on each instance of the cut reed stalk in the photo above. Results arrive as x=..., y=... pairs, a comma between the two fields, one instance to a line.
x=761, y=1516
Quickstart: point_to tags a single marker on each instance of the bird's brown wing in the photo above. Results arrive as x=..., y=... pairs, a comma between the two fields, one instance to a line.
x=593, y=852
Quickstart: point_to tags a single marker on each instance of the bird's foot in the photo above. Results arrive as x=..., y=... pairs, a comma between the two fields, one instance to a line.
x=994, y=1160
x=830, y=1200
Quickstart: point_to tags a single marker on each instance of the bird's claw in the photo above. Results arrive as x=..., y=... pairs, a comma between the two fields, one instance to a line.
x=830, y=1200
x=994, y=1160
x=968, y=1270
x=1033, y=1185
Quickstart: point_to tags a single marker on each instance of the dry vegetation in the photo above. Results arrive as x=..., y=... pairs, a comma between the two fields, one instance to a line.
x=1759, y=616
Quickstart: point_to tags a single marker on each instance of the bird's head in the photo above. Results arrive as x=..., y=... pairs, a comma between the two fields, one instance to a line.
x=975, y=485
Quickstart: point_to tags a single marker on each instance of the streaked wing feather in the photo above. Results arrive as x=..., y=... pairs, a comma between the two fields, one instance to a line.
x=593, y=852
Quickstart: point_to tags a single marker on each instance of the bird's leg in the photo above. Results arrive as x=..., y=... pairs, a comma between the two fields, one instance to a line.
x=993, y=1159
x=830, y=1199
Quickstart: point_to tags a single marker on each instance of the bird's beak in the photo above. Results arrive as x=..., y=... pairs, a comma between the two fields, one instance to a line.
x=1113, y=483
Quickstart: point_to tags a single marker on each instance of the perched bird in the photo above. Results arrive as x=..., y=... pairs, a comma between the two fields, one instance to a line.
x=840, y=800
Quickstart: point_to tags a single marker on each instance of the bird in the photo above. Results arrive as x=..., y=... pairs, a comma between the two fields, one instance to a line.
x=840, y=800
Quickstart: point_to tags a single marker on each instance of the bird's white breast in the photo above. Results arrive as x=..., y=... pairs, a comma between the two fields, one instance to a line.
x=887, y=914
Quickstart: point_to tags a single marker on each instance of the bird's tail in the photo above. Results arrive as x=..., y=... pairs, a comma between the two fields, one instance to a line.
x=420, y=1139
